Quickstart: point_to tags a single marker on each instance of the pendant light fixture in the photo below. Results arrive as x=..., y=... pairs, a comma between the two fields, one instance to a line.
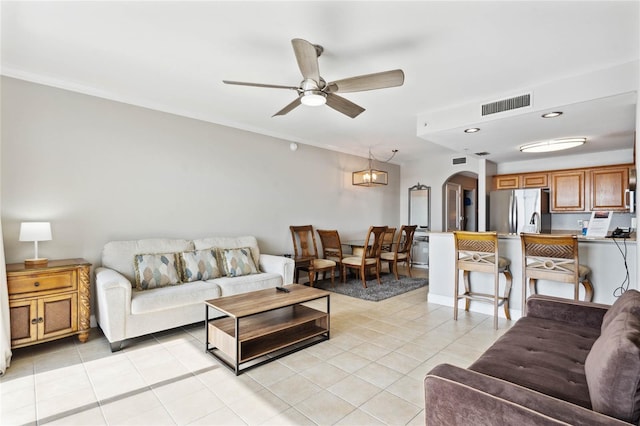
x=371, y=176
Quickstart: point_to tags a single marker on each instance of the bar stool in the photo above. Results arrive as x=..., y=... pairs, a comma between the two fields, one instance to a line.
x=478, y=252
x=553, y=258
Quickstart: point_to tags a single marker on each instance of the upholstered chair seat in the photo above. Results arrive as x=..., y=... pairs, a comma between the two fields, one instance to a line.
x=356, y=261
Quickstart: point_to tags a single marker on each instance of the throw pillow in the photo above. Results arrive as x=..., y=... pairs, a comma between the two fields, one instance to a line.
x=199, y=265
x=155, y=270
x=612, y=369
x=237, y=262
x=629, y=300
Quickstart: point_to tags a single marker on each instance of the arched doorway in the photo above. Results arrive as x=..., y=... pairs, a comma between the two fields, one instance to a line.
x=460, y=202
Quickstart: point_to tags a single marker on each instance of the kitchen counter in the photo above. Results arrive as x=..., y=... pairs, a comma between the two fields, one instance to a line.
x=581, y=238
x=606, y=257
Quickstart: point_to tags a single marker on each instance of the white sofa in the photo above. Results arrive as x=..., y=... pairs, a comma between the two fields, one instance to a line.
x=124, y=312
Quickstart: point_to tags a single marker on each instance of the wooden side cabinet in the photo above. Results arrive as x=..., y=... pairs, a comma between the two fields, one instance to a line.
x=49, y=302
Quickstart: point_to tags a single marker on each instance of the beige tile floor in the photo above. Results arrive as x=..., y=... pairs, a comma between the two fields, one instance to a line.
x=369, y=373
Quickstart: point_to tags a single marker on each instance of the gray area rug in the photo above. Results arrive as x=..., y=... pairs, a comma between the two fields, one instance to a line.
x=374, y=292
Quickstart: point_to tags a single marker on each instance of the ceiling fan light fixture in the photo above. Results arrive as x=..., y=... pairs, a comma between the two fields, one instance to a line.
x=553, y=145
x=313, y=98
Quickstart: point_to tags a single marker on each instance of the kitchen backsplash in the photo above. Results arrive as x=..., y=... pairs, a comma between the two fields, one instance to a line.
x=569, y=221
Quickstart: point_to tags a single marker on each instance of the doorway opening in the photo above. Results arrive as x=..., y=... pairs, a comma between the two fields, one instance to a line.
x=461, y=202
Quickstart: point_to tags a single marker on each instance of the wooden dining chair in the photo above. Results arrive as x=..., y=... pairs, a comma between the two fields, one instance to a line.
x=306, y=254
x=370, y=257
x=387, y=240
x=554, y=258
x=331, y=245
x=402, y=250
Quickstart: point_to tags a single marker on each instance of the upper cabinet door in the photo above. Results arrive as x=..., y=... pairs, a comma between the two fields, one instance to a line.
x=608, y=188
x=506, y=182
x=535, y=180
x=567, y=191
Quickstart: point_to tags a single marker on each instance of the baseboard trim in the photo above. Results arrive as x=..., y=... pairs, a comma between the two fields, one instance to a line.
x=482, y=308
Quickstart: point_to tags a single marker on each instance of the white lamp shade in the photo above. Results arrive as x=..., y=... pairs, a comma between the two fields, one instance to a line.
x=35, y=231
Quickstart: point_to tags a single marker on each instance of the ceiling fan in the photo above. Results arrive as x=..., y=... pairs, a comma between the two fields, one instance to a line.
x=314, y=90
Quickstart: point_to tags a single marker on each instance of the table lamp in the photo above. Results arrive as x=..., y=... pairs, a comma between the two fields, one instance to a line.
x=35, y=231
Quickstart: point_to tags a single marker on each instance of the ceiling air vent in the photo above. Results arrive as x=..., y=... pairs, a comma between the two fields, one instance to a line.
x=482, y=154
x=507, y=104
x=459, y=160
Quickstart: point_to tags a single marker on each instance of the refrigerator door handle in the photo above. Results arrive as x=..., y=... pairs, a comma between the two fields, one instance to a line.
x=512, y=218
x=515, y=214
x=630, y=197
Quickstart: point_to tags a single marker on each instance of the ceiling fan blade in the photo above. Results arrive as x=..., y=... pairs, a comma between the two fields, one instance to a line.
x=344, y=106
x=307, y=58
x=379, y=80
x=271, y=86
x=289, y=107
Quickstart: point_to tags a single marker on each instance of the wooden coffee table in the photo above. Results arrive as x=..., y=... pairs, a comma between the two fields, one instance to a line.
x=264, y=322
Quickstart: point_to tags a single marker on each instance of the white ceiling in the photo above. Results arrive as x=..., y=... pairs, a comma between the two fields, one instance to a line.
x=173, y=56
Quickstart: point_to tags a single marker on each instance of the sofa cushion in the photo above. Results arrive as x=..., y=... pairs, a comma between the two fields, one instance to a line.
x=230, y=242
x=613, y=369
x=544, y=355
x=118, y=255
x=156, y=270
x=161, y=299
x=629, y=300
x=236, y=262
x=237, y=285
x=198, y=265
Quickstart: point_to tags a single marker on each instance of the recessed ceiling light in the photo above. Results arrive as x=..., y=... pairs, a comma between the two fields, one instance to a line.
x=552, y=114
x=553, y=145
x=472, y=130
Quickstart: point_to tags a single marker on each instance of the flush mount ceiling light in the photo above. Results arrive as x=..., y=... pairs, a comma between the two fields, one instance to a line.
x=552, y=114
x=313, y=98
x=553, y=145
x=472, y=130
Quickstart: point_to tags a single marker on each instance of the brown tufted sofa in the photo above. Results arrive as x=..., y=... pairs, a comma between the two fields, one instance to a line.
x=565, y=362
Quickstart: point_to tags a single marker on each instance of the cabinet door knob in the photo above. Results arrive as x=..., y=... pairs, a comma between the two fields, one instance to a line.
x=37, y=284
x=40, y=319
x=34, y=321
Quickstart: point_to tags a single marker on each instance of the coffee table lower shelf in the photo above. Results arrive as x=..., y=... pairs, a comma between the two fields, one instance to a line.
x=268, y=335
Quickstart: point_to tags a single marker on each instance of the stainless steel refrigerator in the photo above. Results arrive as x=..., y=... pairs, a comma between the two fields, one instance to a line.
x=512, y=211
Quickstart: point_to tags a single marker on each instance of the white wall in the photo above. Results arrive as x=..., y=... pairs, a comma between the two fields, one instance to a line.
x=101, y=170
x=434, y=170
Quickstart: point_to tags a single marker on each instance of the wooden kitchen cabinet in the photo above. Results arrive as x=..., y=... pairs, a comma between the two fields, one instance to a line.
x=525, y=180
x=609, y=187
x=535, y=180
x=568, y=191
x=577, y=190
x=506, y=182
x=49, y=302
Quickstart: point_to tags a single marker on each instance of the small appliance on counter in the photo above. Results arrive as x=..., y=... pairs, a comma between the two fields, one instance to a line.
x=512, y=211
